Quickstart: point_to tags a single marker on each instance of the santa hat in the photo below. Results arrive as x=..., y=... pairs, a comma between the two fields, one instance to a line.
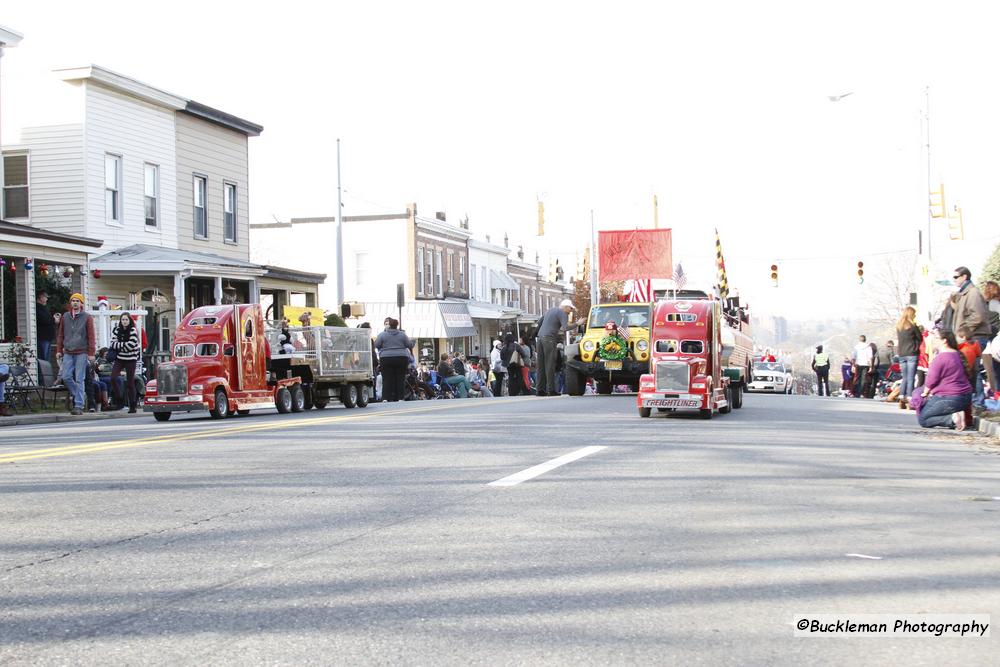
x=102, y=302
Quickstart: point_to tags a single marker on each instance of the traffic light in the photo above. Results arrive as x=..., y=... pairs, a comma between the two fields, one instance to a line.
x=937, y=202
x=861, y=273
x=774, y=275
x=956, y=227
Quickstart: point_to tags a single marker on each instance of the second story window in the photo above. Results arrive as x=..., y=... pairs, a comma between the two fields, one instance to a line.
x=229, y=213
x=151, y=189
x=438, y=269
x=461, y=272
x=15, y=186
x=113, y=189
x=420, y=270
x=199, y=207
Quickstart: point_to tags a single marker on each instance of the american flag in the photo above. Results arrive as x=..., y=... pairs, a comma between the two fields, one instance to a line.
x=623, y=331
x=638, y=290
x=680, y=280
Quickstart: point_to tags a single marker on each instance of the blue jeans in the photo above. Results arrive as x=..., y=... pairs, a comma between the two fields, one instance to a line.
x=461, y=382
x=4, y=370
x=937, y=410
x=74, y=372
x=909, y=367
x=43, y=349
x=978, y=393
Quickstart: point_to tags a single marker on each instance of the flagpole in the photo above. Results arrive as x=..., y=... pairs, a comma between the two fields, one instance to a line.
x=595, y=292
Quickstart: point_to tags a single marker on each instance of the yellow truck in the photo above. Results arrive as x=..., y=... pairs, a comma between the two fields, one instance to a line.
x=614, y=350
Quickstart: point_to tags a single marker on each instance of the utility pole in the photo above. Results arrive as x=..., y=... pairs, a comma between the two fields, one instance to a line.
x=340, y=235
x=927, y=131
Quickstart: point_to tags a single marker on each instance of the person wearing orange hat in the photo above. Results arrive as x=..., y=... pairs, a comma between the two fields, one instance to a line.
x=76, y=346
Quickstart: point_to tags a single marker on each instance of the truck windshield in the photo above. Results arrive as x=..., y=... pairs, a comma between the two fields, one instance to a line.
x=692, y=346
x=632, y=316
x=768, y=366
x=183, y=350
x=208, y=349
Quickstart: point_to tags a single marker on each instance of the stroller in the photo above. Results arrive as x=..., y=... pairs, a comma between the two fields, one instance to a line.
x=889, y=382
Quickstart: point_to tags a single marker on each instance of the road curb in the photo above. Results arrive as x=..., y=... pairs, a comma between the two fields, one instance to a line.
x=28, y=420
x=988, y=427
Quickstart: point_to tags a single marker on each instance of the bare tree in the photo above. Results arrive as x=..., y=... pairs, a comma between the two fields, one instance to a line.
x=889, y=288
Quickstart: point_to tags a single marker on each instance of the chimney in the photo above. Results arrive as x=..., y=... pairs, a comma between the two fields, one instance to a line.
x=440, y=216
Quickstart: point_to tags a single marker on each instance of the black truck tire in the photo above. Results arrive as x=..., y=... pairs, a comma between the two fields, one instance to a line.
x=221, y=409
x=298, y=398
x=349, y=395
x=161, y=416
x=283, y=400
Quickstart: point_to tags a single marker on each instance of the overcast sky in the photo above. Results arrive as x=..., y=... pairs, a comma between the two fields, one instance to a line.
x=721, y=109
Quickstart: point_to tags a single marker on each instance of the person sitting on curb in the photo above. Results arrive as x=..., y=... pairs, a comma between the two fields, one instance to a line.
x=446, y=373
x=947, y=392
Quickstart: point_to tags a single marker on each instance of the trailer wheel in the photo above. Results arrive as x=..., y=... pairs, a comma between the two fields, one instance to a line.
x=221, y=409
x=298, y=398
x=363, y=397
x=645, y=412
x=283, y=400
x=161, y=416
x=738, y=396
x=728, y=407
x=321, y=403
x=349, y=395
x=604, y=386
x=308, y=400
x=574, y=382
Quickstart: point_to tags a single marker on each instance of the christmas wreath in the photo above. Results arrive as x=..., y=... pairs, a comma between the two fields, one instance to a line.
x=612, y=348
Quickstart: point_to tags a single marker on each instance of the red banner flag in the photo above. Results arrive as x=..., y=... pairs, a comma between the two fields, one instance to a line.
x=635, y=252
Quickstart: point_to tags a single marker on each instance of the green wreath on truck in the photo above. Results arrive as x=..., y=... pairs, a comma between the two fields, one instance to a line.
x=612, y=348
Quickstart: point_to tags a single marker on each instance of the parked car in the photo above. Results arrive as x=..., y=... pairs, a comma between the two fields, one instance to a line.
x=771, y=376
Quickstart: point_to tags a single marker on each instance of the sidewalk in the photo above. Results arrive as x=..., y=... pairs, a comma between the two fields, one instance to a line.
x=28, y=418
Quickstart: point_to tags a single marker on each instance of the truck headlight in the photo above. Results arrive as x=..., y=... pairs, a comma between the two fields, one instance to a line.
x=588, y=346
x=642, y=345
x=197, y=387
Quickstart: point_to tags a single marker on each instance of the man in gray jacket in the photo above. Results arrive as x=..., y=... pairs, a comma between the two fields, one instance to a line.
x=554, y=323
x=972, y=323
x=76, y=345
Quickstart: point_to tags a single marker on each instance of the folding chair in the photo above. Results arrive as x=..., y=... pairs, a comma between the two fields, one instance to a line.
x=49, y=384
x=20, y=388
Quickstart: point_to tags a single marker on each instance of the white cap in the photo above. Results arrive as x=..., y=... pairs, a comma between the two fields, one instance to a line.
x=566, y=302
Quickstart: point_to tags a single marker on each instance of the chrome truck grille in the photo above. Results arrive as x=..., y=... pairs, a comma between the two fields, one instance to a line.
x=672, y=377
x=171, y=379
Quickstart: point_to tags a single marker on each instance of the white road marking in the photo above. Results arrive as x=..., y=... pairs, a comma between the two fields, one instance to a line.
x=863, y=556
x=543, y=468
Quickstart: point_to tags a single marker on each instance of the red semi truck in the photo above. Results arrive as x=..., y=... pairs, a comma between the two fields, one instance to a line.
x=686, y=362
x=222, y=362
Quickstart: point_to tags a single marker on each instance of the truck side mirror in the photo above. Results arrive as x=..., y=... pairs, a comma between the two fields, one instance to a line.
x=229, y=350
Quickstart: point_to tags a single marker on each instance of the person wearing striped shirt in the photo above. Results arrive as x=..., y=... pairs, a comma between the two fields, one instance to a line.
x=125, y=343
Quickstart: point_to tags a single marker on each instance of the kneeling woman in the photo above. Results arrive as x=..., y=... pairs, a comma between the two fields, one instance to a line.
x=947, y=392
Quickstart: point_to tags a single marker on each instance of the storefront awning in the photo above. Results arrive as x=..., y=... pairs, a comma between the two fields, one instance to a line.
x=502, y=280
x=424, y=319
x=491, y=311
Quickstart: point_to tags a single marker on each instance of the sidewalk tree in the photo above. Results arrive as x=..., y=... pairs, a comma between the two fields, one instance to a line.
x=991, y=269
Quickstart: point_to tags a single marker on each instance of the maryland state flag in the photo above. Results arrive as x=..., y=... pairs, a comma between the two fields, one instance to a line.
x=720, y=265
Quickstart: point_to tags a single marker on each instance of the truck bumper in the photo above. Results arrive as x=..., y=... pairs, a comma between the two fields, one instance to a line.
x=629, y=372
x=163, y=405
x=676, y=401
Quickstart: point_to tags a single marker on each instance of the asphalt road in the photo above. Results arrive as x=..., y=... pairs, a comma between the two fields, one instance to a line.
x=378, y=536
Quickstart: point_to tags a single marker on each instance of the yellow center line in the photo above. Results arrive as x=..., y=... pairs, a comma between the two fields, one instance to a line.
x=70, y=450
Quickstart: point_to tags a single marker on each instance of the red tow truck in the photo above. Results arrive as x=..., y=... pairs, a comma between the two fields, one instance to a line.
x=222, y=362
x=686, y=362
